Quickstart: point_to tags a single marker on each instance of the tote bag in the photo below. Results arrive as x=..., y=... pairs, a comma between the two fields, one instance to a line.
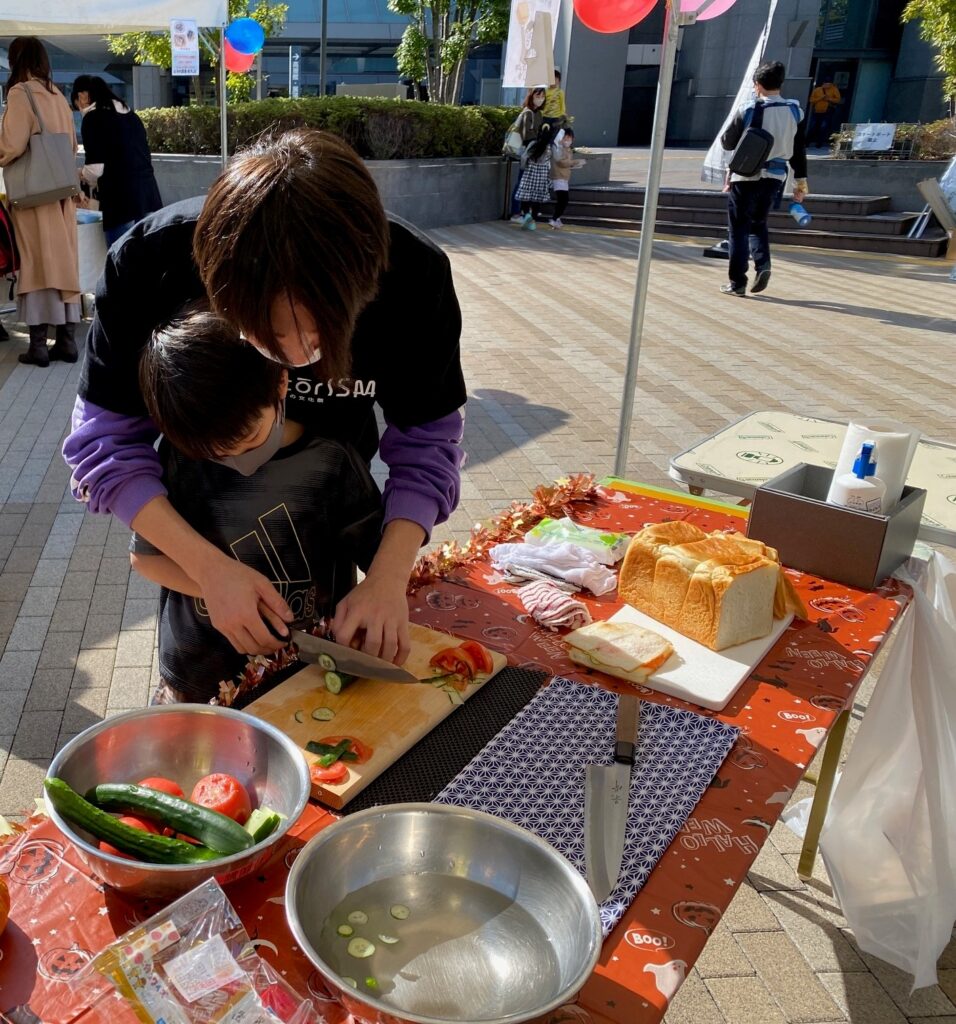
x=46, y=172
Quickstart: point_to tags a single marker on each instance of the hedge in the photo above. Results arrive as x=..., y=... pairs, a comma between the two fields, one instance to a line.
x=378, y=129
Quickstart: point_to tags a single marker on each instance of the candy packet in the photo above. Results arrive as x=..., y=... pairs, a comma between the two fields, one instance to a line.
x=606, y=546
x=193, y=963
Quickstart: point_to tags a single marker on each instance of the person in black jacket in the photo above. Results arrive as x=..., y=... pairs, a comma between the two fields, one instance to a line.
x=118, y=163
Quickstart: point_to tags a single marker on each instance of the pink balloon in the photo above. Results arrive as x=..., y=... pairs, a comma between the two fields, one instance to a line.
x=236, y=61
x=718, y=7
x=612, y=15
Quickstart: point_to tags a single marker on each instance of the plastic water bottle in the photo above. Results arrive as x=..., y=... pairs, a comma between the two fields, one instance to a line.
x=800, y=214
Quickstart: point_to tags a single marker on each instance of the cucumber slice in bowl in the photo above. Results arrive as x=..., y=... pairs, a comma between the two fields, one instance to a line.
x=361, y=948
x=358, y=917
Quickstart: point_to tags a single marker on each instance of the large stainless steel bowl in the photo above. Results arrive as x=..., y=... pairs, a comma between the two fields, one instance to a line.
x=183, y=742
x=500, y=927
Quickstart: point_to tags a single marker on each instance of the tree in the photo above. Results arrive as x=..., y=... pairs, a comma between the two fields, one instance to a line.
x=938, y=27
x=441, y=34
x=156, y=48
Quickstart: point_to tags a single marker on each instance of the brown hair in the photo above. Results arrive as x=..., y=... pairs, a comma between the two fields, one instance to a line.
x=527, y=100
x=296, y=216
x=204, y=387
x=28, y=58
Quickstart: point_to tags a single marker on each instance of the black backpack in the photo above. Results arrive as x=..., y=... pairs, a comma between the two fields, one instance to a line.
x=9, y=254
x=754, y=147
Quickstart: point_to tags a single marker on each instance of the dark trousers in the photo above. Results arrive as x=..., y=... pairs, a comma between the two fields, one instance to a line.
x=821, y=128
x=748, y=205
x=560, y=202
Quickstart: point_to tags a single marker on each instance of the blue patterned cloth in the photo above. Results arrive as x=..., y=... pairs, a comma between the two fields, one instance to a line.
x=532, y=774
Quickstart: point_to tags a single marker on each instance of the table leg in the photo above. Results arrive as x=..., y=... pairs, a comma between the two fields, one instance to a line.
x=821, y=799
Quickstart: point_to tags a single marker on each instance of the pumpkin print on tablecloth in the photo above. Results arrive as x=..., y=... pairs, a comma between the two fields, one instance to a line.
x=62, y=964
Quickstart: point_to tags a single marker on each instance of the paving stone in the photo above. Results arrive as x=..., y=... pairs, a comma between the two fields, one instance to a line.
x=862, y=998
x=130, y=686
x=60, y=650
x=16, y=671
x=78, y=586
x=9, y=611
x=28, y=634
x=37, y=734
x=139, y=588
x=787, y=976
x=140, y=613
x=749, y=912
x=745, y=1001
x=14, y=585
x=86, y=559
x=11, y=707
x=771, y=871
x=924, y=1002
x=94, y=669
x=50, y=572
x=948, y=959
x=109, y=599
x=693, y=1004
x=101, y=630
x=85, y=708
x=22, y=784
x=11, y=523
x=49, y=689
x=69, y=616
x=113, y=570
x=23, y=559
x=723, y=957
x=39, y=601
x=135, y=647
x=820, y=941
x=58, y=547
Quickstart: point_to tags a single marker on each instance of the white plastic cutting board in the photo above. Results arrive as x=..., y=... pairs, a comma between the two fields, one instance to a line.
x=695, y=672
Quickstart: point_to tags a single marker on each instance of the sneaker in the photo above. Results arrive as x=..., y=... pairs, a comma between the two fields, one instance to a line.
x=732, y=289
x=760, y=284
x=516, y=218
x=527, y=222
x=556, y=223
x=533, y=225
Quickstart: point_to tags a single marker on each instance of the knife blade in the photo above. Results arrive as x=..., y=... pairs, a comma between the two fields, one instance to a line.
x=350, y=661
x=606, y=794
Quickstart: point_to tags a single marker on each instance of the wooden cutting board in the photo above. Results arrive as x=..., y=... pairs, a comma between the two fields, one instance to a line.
x=388, y=717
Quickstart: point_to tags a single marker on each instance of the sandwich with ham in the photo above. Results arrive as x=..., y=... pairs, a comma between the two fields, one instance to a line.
x=621, y=649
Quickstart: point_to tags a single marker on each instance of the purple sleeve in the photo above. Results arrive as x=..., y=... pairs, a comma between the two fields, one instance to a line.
x=424, y=470
x=115, y=467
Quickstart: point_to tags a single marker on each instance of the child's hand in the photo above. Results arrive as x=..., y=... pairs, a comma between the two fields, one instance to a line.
x=379, y=607
x=238, y=599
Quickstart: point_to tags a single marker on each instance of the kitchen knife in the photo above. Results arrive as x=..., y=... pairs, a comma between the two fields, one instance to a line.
x=606, y=793
x=348, y=660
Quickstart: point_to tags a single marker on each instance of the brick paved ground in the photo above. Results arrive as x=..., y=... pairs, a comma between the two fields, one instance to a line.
x=546, y=318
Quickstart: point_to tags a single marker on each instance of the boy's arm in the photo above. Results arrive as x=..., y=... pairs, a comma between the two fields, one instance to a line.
x=163, y=570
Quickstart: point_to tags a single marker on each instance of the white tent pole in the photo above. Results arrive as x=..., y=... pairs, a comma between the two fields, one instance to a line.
x=672, y=22
x=223, y=133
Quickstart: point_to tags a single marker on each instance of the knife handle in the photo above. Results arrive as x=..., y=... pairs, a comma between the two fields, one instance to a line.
x=628, y=716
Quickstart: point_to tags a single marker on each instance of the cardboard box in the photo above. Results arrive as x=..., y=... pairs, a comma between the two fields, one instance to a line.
x=791, y=514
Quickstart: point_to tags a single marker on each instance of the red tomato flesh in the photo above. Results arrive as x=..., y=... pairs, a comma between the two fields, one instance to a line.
x=479, y=654
x=224, y=794
x=162, y=785
x=334, y=773
x=143, y=824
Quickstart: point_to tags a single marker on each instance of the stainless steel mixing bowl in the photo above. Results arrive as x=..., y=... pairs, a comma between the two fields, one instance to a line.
x=500, y=928
x=183, y=742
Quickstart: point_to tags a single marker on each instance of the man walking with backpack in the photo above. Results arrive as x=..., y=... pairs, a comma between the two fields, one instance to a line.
x=768, y=138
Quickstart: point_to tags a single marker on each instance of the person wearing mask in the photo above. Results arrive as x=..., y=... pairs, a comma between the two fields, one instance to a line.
x=118, y=164
x=554, y=110
x=527, y=125
x=824, y=100
x=562, y=163
x=752, y=197
x=48, y=283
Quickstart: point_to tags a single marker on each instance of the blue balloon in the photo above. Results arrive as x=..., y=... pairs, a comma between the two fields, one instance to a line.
x=246, y=35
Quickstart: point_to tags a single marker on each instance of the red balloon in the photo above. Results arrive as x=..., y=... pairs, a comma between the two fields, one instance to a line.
x=612, y=15
x=236, y=61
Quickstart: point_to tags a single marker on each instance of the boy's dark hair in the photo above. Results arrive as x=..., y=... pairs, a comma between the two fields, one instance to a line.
x=297, y=216
x=569, y=132
x=101, y=95
x=204, y=386
x=770, y=75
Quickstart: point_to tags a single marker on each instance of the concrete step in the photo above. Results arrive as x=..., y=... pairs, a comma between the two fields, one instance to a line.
x=858, y=206
x=931, y=245
x=878, y=223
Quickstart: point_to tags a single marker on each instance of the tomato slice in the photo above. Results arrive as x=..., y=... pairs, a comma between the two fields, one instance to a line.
x=452, y=660
x=334, y=773
x=224, y=794
x=143, y=824
x=479, y=654
x=162, y=785
x=359, y=749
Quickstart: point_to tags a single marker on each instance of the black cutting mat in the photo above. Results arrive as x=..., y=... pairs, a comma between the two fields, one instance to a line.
x=421, y=774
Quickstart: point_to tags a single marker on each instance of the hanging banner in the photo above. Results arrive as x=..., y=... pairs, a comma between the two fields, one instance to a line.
x=529, y=55
x=717, y=159
x=184, y=37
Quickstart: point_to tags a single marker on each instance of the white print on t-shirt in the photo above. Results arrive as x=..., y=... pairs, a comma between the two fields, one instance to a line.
x=275, y=550
x=318, y=390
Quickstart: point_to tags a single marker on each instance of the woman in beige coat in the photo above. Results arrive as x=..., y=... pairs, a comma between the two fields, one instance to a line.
x=48, y=285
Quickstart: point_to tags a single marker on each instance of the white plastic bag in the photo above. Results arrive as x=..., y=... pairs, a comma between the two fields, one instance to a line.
x=890, y=840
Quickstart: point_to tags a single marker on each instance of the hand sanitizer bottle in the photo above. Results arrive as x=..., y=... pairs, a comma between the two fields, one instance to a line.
x=861, y=490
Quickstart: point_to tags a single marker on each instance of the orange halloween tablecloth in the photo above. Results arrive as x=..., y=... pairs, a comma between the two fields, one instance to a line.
x=60, y=916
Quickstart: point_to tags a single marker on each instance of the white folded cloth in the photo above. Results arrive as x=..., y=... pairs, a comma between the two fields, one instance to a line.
x=552, y=608
x=566, y=561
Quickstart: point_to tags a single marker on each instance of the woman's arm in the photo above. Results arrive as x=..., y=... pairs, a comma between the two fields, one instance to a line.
x=16, y=127
x=166, y=573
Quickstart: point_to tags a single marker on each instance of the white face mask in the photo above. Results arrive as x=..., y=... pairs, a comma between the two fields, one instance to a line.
x=253, y=460
x=313, y=358
x=538, y=101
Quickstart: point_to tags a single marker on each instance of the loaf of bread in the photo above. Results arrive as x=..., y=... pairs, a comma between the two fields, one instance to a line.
x=718, y=589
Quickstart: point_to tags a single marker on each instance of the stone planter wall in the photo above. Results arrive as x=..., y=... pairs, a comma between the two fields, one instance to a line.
x=894, y=178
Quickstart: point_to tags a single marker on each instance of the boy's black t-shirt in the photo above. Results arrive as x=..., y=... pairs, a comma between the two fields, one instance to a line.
x=301, y=520
x=405, y=350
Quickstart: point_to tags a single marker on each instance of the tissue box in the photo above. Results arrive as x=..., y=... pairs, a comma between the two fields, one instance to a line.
x=791, y=514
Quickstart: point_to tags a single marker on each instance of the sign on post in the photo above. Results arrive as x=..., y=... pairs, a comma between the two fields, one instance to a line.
x=295, y=86
x=873, y=138
x=184, y=38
